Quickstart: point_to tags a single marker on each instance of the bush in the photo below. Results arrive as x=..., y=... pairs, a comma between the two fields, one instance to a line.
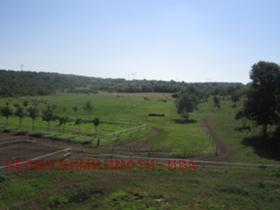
x=20, y=133
x=156, y=115
x=6, y=130
x=2, y=179
x=39, y=135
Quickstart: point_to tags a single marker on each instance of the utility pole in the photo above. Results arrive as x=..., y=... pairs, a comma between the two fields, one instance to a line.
x=21, y=67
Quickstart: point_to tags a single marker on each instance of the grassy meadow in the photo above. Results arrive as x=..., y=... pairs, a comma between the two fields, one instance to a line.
x=207, y=188
x=121, y=112
x=219, y=188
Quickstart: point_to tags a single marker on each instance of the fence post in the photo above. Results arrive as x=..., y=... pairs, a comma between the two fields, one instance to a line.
x=112, y=152
x=216, y=149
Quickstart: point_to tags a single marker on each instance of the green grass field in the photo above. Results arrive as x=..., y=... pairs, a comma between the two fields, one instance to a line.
x=124, y=112
x=205, y=188
x=211, y=188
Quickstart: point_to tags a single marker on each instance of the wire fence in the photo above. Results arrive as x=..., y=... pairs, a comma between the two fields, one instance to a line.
x=71, y=133
x=60, y=154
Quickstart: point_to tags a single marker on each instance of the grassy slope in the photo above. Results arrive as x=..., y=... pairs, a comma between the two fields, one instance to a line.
x=223, y=124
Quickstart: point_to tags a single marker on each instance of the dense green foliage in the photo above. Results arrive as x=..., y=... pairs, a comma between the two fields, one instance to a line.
x=16, y=83
x=263, y=97
x=187, y=102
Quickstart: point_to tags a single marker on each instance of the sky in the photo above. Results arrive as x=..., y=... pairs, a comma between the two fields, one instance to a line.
x=181, y=40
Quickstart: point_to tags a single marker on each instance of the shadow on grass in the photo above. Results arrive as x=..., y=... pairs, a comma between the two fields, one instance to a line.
x=267, y=148
x=184, y=121
x=243, y=128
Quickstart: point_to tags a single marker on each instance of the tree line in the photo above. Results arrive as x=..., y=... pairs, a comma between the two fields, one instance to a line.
x=21, y=83
x=24, y=110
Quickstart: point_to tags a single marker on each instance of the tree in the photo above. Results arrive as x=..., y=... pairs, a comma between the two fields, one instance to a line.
x=75, y=109
x=64, y=110
x=235, y=94
x=235, y=97
x=262, y=102
x=48, y=115
x=25, y=103
x=88, y=107
x=96, y=123
x=217, y=101
x=6, y=112
x=20, y=114
x=186, y=103
x=33, y=114
x=78, y=121
x=63, y=121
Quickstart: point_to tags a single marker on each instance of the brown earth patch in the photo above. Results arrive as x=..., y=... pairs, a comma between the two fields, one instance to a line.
x=224, y=152
x=23, y=147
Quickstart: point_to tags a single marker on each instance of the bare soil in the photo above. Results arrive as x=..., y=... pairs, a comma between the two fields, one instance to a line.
x=14, y=147
x=224, y=152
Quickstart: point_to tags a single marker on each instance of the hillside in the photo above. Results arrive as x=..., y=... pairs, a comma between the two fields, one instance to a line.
x=20, y=83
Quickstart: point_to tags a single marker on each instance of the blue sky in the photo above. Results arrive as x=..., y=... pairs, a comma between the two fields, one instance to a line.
x=183, y=40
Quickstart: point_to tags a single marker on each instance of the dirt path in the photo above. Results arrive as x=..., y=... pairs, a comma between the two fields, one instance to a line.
x=224, y=152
